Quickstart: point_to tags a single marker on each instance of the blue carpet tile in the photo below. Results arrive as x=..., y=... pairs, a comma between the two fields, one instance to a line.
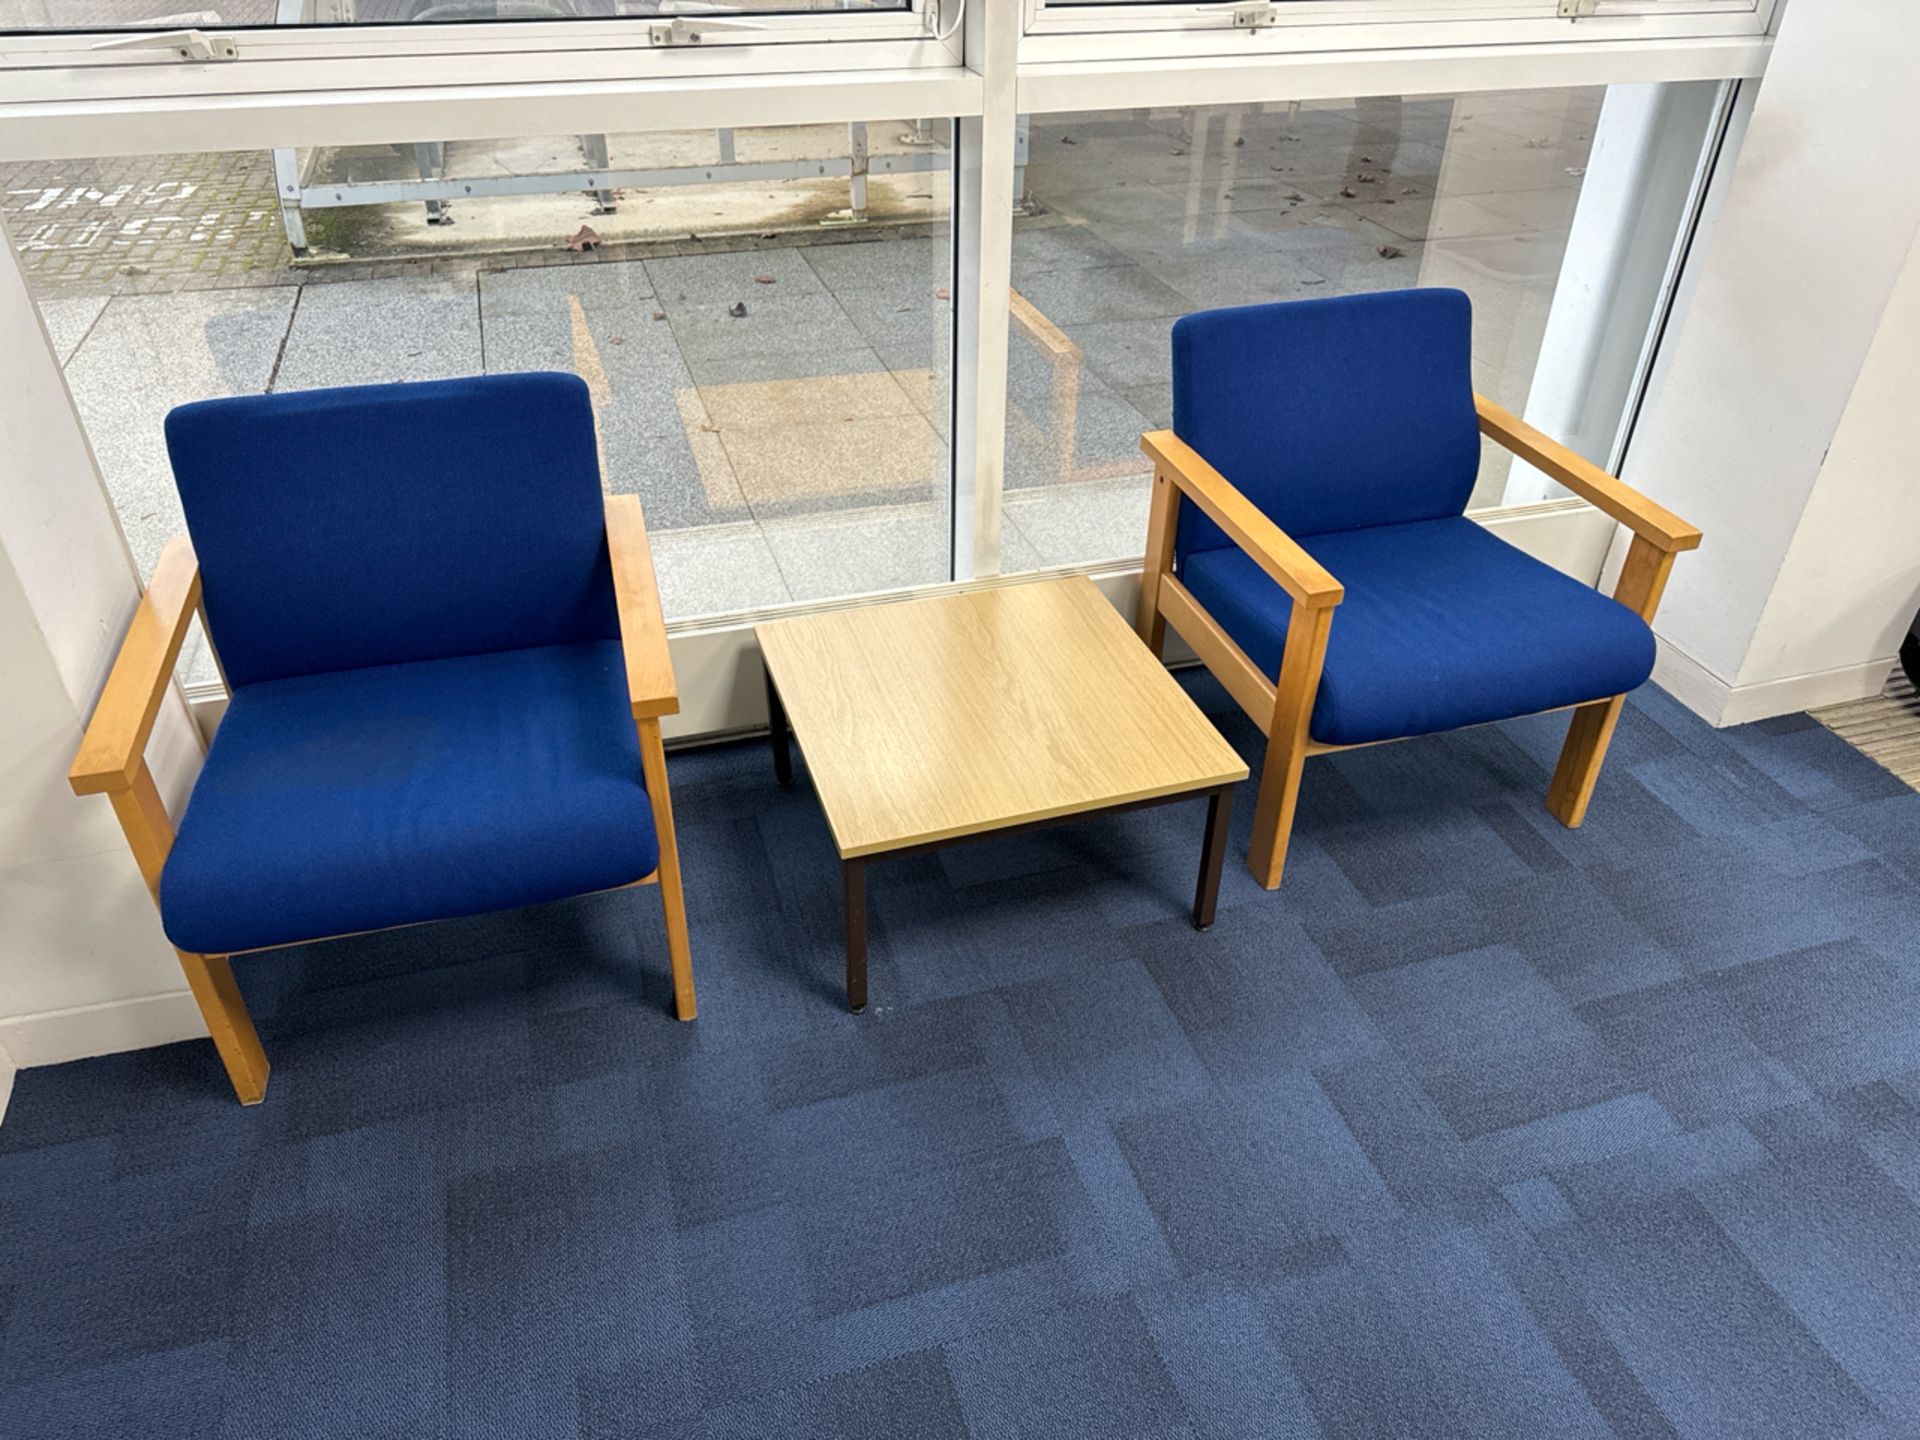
x=1478, y=1127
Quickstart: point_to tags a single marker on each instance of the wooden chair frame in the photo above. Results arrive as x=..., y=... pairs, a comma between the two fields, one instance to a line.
x=1283, y=707
x=112, y=761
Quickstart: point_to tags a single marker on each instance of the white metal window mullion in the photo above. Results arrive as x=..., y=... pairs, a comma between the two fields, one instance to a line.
x=983, y=280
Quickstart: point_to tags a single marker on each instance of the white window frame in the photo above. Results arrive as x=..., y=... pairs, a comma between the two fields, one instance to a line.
x=69, y=68
x=1187, y=29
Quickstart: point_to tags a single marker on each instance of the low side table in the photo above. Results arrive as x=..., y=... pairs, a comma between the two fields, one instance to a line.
x=932, y=722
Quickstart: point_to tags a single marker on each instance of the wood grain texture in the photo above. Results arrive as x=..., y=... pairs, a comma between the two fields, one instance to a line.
x=1643, y=580
x=1578, y=769
x=955, y=715
x=653, y=760
x=116, y=738
x=1226, y=661
x=1273, y=810
x=1643, y=577
x=1276, y=552
x=149, y=831
x=1585, y=479
x=643, y=628
x=1163, y=523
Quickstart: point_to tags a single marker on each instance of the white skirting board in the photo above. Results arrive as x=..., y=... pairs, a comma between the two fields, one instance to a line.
x=1723, y=704
x=6, y=1081
x=54, y=1037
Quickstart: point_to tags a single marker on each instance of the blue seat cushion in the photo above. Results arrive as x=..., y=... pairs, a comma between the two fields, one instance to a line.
x=1443, y=625
x=360, y=799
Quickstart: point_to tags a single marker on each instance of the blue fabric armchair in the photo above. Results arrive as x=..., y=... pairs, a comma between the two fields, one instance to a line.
x=1328, y=449
x=447, y=666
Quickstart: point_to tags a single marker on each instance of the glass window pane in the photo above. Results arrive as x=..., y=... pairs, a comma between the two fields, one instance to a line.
x=768, y=351
x=1134, y=218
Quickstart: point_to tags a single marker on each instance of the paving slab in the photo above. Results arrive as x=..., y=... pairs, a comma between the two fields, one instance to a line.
x=684, y=481
x=375, y=331
x=715, y=570
x=865, y=552
x=1153, y=402
x=144, y=355
x=1445, y=218
x=1065, y=424
x=908, y=270
x=656, y=438
x=68, y=318
x=810, y=328
x=1118, y=292
x=1208, y=282
x=1126, y=353
x=906, y=333
x=786, y=469
x=605, y=284
x=931, y=391
x=727, y=367
x=1117, y=202
x=631, y=365
x=820, y=399
x=1056, y=243
x=1351, y=270
x=1085, y=523
x=727, y=276
x=149, y=353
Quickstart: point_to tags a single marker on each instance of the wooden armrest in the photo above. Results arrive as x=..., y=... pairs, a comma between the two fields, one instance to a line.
x=1585, y=479
x=112, y=750
x=1277, y=553
x=643, y=628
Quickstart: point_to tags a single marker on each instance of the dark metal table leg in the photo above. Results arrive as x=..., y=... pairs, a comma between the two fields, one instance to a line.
x=855, y=874
x=1213, y=854
x=777, y=733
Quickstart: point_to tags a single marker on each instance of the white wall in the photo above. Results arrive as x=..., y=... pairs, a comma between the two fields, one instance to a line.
x=1853, y=544
x=84, y=968
x=1789, y=285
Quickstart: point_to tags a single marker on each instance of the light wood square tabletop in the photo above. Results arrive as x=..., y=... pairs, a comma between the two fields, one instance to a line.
x=933, y=719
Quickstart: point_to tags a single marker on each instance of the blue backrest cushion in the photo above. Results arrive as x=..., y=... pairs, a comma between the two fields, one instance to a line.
x=1335, y=414
x=379, y=524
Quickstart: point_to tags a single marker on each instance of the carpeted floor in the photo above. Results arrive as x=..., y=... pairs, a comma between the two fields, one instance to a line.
x=1477, y=1128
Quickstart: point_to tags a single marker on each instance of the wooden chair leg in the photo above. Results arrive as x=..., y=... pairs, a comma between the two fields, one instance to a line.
x=210, y=977
x=1300, y=666
x=150, y=836
x=1163, y=518
x=1580, y=759
x=653, y=759
x=1273, y=809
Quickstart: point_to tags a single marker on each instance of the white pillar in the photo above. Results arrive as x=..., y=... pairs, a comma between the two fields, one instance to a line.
x=84, y=969
x=1783, y=398
x=1633, y=199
